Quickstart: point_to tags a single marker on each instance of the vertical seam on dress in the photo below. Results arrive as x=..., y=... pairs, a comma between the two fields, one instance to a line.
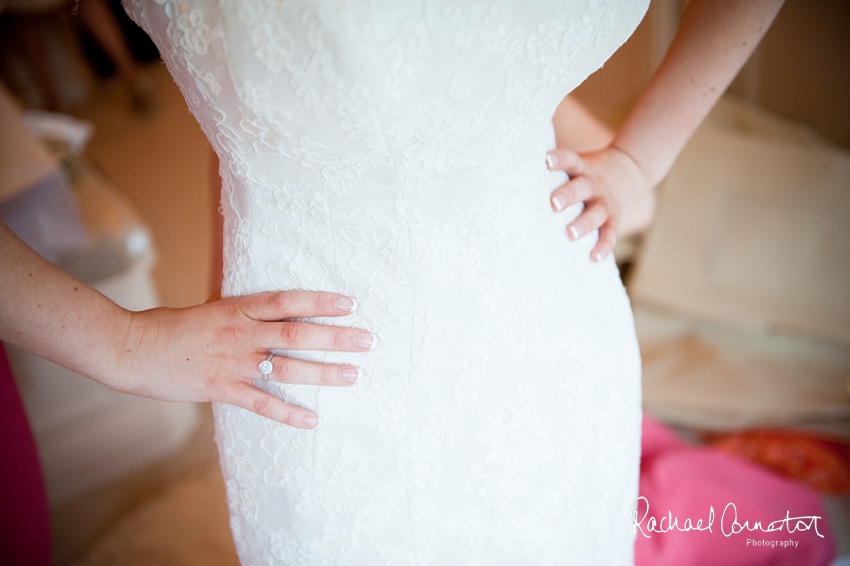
x=412, y=332
x=314, y=443
x=409, y=370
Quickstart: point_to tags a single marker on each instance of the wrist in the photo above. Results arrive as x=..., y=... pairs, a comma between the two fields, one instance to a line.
x=123, y=341
x=630, y=163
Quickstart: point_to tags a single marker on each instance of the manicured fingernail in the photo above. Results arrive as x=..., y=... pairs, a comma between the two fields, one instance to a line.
x=364, y=340
x=551, y=160
x=349, y=375
x=559, y=202
x=345, y=304
x=599, y=256
x=311, y=422
x=573, y=232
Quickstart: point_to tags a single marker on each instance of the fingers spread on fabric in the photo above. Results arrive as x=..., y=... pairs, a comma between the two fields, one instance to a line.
x=607, y=181
x=345, y=304
x=592, y=218
x=577, y=190
x=606, y=243
x=295, y=371
x=559, y=201
x=297, y=335
x=252, y=399
x=278, y=305
x=565, y=160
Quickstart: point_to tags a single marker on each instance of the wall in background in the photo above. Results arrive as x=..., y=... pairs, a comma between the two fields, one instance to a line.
x=801, y=70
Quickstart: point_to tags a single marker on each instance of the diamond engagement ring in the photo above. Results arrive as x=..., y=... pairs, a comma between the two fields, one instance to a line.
x=266, y=367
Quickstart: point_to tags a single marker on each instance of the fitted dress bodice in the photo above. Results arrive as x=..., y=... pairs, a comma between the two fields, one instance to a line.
x=393, y=151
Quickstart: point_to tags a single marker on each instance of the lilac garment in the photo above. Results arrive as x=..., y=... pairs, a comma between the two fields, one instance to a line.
x=46, y=218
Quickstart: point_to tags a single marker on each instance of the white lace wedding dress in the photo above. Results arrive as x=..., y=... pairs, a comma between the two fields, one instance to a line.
x=393, y=151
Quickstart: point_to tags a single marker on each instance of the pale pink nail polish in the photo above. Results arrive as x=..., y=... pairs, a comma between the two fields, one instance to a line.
x=349, y=375
x=573, y=233
x=551, y=160
x=559, y=202
x=364, y=340
x=345, y=304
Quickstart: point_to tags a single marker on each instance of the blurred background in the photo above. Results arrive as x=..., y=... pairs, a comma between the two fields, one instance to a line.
x=741, y=285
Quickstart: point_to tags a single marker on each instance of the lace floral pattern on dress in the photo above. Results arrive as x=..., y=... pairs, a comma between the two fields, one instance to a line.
x=393, y=152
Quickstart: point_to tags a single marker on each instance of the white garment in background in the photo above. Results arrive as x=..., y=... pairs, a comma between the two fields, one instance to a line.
x=393, y=151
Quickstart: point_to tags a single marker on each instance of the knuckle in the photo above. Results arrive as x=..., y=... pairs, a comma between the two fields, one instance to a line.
x=341, y=339
x=289, y=415
x=229, y=334
x=292, y=333
x=567, y=154
x=229, y=305
x=286, y=371
x=319, y=302
x=282, y=301
x=262, y=405
x=599, y=222
x=600, y=211
x=572, y=159
x=584, y=186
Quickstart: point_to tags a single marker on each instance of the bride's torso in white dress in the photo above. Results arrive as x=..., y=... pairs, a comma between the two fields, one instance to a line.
x=393, y=151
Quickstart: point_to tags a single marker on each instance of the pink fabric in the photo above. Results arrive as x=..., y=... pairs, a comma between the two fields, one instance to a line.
x=683, y=482
x=24, y=518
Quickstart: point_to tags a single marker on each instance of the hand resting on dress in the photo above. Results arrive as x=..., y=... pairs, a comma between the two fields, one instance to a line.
x=608, y=181
x=209, y=352
x=712, y=42
x=577, y=129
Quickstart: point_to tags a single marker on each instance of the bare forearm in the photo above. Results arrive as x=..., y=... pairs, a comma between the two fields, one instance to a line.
x=46, y=311
x=714, y=40
x=578, y=129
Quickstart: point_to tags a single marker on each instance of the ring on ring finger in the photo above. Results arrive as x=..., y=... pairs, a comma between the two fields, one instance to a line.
x=266, y=367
